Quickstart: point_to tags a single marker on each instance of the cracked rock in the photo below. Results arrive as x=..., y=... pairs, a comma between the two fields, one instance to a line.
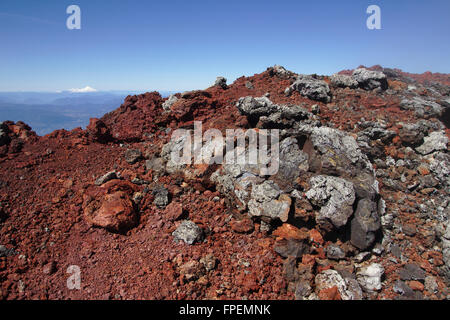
x=335, y=196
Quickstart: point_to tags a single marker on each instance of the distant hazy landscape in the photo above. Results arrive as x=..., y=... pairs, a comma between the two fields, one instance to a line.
x=48, y=111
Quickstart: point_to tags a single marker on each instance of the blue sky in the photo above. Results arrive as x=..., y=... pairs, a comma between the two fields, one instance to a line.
x=181, y=45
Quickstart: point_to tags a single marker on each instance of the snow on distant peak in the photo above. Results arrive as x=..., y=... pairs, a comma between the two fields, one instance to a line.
x=83, y=90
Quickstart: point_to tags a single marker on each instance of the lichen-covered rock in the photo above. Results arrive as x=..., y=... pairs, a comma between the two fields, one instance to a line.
x=338, y=152
x=369, y=80
x=312, y=88
x=155, y=164
x=435, y=141
x=292, y=163
x=161, y=195
x=280, y=72
x=264, y=114
x=334, y=252
x=255, y=107
x=412, y=134
x=335, y=196
x=188, y=232
x=373, y=138
x=422, y=106
x=169, y=102
x=236, y=182
x=439, y=165
x=176, y=145
x=267, y=201
x=343, y=81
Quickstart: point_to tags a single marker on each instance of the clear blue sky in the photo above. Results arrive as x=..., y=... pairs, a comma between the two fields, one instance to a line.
x=178, y=45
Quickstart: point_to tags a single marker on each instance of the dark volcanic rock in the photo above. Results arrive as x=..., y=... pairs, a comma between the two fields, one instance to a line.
x=291, y=248
x=312, y=88
x=161, y=195
x=365, y=224
x=412, y=272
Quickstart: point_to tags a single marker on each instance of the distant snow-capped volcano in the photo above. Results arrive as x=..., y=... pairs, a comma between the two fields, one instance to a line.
x=83, y=90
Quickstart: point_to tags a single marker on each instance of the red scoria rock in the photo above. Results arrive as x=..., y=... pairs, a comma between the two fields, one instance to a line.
x=242, y=226
x=174, y=211
x=110, y=206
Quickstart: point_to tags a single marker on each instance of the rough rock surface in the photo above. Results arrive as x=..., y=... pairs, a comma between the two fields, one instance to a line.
x=105, y=178
x=110, y=206
x=312, y=88
x=343, y=81
x=347, y=289
x=221, y=82
x=369, y=277
x=335, y=196
x=169, y=102
x=365, y=224
x=369, y=79
x=436, y=141
x=188, y=231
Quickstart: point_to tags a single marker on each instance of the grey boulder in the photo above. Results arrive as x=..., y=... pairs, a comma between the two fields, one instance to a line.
x=188, y=232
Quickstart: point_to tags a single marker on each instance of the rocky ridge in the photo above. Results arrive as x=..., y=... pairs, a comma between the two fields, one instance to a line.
x=359, y=207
